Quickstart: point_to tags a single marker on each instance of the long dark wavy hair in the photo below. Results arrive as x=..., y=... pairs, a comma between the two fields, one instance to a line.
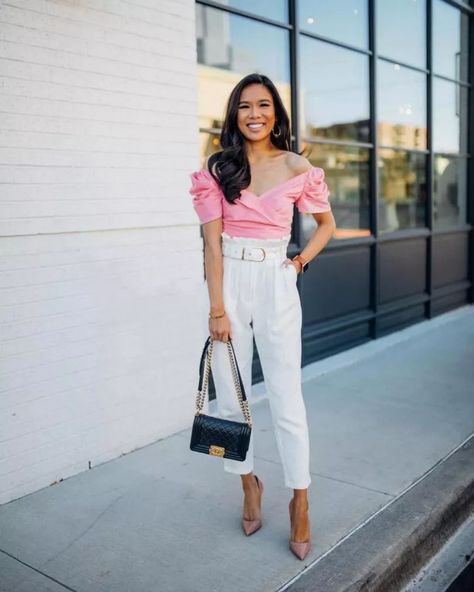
x=232, y=168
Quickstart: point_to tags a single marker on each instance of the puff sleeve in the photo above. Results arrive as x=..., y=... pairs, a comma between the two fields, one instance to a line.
x=206, y=196
x=315, y=194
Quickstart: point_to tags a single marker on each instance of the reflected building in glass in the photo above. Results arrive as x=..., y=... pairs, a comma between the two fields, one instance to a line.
x=380, y=95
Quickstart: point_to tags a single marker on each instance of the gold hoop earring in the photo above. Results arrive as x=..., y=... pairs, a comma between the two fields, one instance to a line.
x=278, y=134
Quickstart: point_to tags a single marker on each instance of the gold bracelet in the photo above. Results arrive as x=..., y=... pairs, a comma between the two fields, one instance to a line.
x=217, y=316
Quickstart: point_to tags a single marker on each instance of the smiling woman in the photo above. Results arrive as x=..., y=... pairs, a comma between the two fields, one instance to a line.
x=244, y=198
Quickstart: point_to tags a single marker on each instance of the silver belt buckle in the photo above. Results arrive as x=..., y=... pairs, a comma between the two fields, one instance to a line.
x=263, y=251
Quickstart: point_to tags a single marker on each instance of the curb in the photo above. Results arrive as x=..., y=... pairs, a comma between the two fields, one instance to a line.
x=384, y=554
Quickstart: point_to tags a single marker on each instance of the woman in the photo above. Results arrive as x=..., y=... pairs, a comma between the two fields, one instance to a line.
x=244, y=198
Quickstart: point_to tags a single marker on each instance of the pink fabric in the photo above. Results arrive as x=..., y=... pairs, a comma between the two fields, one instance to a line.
x=268, y=215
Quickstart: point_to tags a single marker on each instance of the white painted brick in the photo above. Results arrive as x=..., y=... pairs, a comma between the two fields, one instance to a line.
x=97, y=130
x=101, y=270
x=103, y=113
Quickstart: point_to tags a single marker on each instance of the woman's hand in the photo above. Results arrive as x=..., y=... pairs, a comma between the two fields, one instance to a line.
x=220, y=329
x=296, y=264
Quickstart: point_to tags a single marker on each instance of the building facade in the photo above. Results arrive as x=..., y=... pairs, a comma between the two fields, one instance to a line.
x=380, y=96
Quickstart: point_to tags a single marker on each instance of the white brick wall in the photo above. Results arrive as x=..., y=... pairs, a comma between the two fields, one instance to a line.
x=100, y=250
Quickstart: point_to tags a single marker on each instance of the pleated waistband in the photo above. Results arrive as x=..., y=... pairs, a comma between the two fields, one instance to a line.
x=268, y=243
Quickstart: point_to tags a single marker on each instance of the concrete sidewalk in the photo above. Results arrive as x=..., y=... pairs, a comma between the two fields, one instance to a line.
x=166, y=519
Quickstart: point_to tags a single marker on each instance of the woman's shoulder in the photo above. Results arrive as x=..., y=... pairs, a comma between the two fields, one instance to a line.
x=206, y=194
x=297, y=164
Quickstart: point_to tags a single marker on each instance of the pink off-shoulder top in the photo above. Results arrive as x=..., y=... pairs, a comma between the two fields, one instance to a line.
x=268, y=215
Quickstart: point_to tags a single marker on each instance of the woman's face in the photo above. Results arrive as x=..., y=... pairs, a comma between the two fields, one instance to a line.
x=256, y=112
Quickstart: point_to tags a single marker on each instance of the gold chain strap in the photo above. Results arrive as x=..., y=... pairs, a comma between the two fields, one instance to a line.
x=243, y=402
x=201, y=395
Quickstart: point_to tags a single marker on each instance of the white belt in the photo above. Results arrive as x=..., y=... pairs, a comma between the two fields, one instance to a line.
x=252, y=253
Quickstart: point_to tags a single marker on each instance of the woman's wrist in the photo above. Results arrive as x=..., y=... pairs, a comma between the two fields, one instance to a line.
x=302, y=262
x=298, y=265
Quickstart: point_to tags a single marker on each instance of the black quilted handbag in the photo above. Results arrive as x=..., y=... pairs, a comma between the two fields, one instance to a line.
x=214, y=435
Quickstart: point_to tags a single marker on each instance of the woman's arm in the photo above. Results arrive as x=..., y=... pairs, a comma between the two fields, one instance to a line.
x=213, y=261
x=213, y=264
x=320, y=237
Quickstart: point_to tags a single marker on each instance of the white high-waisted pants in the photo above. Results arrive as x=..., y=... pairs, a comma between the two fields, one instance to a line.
x=261, y=299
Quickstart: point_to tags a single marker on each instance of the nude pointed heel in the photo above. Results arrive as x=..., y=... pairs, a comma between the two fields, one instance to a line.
x=301, y=549
x=251, y=526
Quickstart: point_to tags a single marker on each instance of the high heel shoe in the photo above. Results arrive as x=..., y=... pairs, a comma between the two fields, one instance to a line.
x=300, y=549
x=251, y=526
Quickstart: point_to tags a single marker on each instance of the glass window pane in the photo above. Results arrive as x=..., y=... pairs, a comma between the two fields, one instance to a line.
x=347, y=177
x=342, y=20
x=401, y=103
x=334, y=92
x=276, y=9
x=450, y=41
x=449, y=117
x=229, y=47
x=449, y=192
x=402, y=180
x=209, y=142
x=401, y=31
